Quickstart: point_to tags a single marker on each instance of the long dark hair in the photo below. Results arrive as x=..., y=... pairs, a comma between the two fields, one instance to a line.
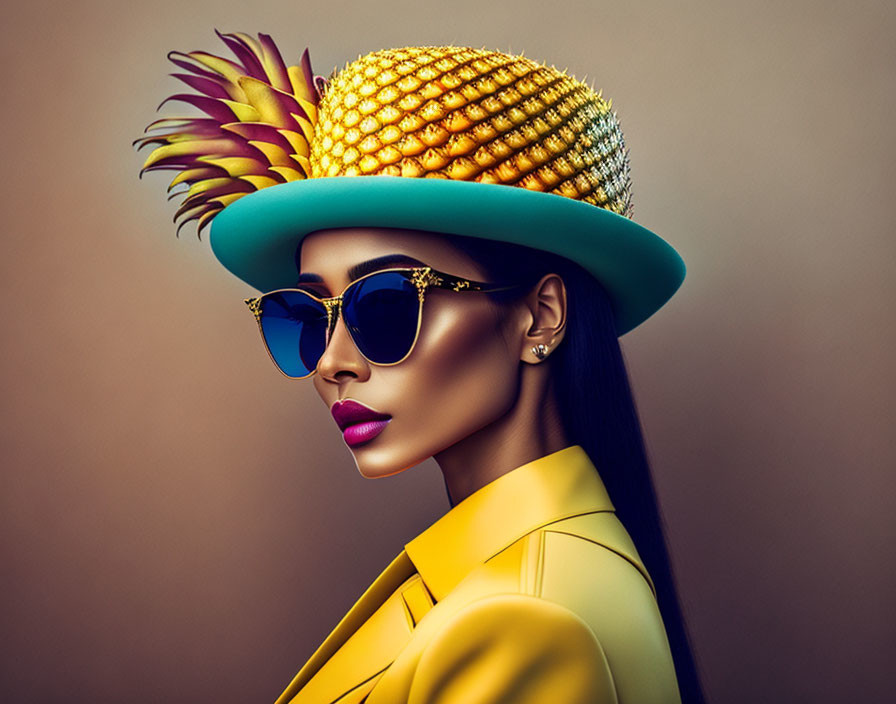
x=598, y=413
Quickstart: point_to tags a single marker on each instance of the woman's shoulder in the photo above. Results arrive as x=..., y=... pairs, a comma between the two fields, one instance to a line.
x=564, y=613
x=516, y=648
x=581, y=575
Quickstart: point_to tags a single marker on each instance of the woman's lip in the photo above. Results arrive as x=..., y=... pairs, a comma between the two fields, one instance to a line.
x=349, y=413
x=359, y=433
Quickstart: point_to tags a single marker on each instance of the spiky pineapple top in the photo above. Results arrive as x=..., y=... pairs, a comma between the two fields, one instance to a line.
x=259, y=123
x=443, y=112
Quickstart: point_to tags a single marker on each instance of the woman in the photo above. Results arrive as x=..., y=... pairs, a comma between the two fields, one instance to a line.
x=465, y=309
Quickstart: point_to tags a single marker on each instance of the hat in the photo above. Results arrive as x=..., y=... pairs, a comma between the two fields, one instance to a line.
x=453, y=140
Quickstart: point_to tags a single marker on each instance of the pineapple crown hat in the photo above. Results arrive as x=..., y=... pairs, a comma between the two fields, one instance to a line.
x=460, y=141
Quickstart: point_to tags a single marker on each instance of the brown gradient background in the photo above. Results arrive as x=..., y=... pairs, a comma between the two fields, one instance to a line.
x=181, y=524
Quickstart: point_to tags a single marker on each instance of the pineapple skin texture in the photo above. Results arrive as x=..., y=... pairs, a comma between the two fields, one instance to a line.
x=472, y=115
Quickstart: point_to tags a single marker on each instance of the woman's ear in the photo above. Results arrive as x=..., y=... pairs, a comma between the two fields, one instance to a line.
x=546, y=319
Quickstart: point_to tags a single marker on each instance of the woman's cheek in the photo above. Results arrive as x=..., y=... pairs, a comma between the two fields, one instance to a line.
x=473, y=377
x=460, y=377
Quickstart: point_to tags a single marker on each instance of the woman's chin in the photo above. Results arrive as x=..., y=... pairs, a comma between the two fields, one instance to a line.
x=375, y=462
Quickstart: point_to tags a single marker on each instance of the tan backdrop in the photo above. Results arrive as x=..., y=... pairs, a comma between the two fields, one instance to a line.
x=181, y=524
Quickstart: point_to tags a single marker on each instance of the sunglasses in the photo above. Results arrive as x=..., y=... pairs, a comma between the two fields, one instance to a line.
x=382, y=312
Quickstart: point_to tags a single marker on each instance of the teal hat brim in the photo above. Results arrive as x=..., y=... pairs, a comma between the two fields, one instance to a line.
x=257, y=236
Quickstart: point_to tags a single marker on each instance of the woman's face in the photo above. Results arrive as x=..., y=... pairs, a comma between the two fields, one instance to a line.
x=462, y=374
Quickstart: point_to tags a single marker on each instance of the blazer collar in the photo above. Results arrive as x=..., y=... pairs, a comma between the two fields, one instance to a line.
x=377, y=593
x=556, y=486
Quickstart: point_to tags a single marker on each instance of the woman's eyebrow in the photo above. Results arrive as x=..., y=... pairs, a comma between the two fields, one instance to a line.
x=387, y=261
x=309, y=279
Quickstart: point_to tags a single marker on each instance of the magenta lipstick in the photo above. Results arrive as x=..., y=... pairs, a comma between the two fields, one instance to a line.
x=358, y=423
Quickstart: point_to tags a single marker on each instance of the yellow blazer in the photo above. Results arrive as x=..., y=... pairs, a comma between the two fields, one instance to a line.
x=530, y=591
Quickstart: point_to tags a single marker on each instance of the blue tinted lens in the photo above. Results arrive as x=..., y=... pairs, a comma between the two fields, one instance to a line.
x=295, y=330
x=382, y=312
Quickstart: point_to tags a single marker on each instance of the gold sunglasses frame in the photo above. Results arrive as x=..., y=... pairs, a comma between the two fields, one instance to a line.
x=423, y=277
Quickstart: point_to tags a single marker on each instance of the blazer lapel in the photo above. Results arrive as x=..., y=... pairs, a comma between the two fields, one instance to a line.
x=346, y=659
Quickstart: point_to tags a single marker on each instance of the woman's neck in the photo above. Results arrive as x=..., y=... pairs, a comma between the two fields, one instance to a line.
x=531, y=429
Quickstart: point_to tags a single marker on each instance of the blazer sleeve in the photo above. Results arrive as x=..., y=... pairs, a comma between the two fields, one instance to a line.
x=513, y=649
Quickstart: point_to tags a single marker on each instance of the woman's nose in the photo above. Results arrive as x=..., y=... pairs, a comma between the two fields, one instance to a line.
x=341, y=359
